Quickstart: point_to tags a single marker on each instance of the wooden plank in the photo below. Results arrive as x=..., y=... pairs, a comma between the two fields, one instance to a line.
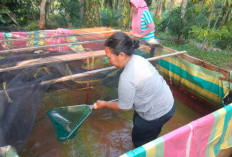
x=225, y=79
x=54, y=59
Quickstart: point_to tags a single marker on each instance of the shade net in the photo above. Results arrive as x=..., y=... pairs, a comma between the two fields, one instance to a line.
x=26, y=77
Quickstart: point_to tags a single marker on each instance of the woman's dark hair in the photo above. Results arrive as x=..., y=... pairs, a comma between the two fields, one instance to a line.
x=120, y=42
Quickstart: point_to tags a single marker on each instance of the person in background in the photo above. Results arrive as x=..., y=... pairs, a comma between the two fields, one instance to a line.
x=140, y=88
x=142, y=22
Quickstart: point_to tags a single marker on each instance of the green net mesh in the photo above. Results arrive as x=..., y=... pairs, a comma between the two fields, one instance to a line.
x=67, y=120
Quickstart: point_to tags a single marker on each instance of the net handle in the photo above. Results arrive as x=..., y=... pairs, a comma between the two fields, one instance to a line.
x=92, y=106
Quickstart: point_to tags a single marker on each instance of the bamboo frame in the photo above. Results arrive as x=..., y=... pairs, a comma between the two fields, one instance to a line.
x=88, y=73
x=54, y=59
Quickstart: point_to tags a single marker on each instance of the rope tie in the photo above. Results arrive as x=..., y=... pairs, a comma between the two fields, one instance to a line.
x=38, y=70
x=4, y=85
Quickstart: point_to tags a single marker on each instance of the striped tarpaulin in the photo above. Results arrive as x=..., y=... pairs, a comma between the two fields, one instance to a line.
x=204, y=137
x=203, y=82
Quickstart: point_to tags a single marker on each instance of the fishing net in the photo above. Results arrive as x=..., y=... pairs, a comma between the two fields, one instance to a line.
x=35, y=65
x=67, y=120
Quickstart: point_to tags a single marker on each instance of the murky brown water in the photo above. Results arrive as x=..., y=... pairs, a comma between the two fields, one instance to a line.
x=105, y=133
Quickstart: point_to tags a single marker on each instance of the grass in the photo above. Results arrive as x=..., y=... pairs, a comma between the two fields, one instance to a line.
x=222, y=59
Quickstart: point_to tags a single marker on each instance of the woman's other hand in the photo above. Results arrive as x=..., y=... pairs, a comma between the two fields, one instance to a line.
x=135, y=35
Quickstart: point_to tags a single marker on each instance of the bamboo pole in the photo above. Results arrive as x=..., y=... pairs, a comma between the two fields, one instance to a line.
x=87, y=73
x=54, y=59
x=167, y=55
x=26, y=49
x=82, y=34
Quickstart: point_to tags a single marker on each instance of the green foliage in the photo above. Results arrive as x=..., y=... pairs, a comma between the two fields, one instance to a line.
x=178, y=26
x=32, y=26
x=125, y=14
x=216, y=58
x=73, y=9
x=57, y=20
x=92, y=13
x=149, y=2
x=22, y=10
x=69, y=12
x=221, y=38
x=198, y=33
x=173, y=21
x=110, y=17
x=1, y=19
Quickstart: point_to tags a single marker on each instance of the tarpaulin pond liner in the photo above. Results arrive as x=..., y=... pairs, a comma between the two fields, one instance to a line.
x=203, y=82
x=204, y=137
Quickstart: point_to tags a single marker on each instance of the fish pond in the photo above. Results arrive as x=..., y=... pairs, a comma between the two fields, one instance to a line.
x=105, y=132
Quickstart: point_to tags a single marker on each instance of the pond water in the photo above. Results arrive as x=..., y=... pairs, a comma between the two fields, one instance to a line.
x=105, y=132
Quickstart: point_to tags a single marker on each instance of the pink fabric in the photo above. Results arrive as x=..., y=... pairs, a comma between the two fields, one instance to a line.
x=49, y=41
x=189, y=142
x=150, y=28
x=176, y=142
x=60, y=40
x=13, y=44
x=201, y=132
x=141, y=5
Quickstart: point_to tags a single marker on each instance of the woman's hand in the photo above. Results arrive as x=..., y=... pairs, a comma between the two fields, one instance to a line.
x=99, y=104
x=107, y=104
x=137, y=35
x=133, y=34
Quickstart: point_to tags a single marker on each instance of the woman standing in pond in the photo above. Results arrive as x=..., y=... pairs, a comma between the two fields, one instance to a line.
x=140, y=87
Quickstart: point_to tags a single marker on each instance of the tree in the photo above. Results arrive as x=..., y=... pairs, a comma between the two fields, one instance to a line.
x=158, y=9
x=42, y=21
x=208, y=27
x=12, y=16
x=226, y=10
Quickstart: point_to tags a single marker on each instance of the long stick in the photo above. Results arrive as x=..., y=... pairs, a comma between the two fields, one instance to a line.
x=88, y=73
x=25, y=49
x=82, y=34
x=54, y=59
